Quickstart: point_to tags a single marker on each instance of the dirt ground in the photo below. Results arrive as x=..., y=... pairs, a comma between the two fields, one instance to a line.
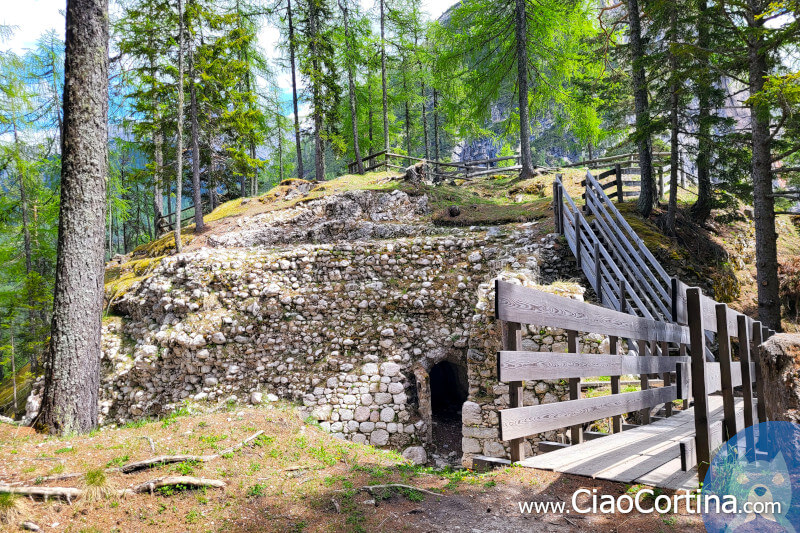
x=292, y=478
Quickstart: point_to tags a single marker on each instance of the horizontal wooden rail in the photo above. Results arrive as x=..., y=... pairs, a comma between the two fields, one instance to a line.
x=523, y=421
x=521, y=366
x=515, y=303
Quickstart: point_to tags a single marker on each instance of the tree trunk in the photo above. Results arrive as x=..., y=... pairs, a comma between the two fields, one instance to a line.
x=383, y=79
x=197, y=198
x=294, y=94
x=316, y=93
x=435, y=125
x=351, y=88
x=673, y=110
x=769, y=304
x=701, y=209
x=371, y=116
x=158, y=179
x=72, y=375
x=23, y=204
x=425, y=124
x=647, y=192
x=179, y=147
x=14, y=368
x=521, y=28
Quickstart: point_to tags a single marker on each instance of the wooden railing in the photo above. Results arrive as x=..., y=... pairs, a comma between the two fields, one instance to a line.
x=648, y=310
x=695, y=377
x=516, y=305
x=437, y=170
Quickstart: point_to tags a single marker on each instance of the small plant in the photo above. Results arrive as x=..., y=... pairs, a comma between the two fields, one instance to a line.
x=185, y=468
x=12, y=508
x=259, y=489
x=118, y=461
x=192, y=517
x=68, y=449
x=96, y=486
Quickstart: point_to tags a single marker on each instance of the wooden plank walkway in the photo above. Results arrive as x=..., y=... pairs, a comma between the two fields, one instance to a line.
x=648, y=454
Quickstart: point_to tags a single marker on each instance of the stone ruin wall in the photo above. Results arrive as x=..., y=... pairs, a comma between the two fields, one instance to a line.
x=345, y=328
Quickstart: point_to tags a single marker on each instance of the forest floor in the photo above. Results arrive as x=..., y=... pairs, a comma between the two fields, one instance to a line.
x=293, y=477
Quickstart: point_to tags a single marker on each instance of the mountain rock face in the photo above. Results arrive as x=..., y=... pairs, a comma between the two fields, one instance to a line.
x=345, y=305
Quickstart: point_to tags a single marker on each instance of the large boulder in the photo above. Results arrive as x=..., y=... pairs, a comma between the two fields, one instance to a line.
x=780, y=370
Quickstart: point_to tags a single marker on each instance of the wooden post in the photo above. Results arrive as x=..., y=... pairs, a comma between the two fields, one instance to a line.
x=578, y=238
x=660, y=184
x=747, y=378
x=512, y=341
x=613, y=349
x=644, y=382
x=674, y=296
x=576, y=432
x=667, y=377
x=618, y=173
x=697, y=346
x=758, y=338
x=598, y=273
x=724, y=355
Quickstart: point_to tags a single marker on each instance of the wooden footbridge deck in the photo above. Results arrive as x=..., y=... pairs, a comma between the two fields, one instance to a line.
x=703, y=352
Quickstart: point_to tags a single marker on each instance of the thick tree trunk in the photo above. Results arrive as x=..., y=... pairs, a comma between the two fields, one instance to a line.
x=701, y=209
x=197, y=197
x=383, y=78
x=647, y=192
x=72, y=375
x=521, y=29
x=179, y=147
x=673, y=111
x=351, y=85
x=769, y=304
x=298, y=146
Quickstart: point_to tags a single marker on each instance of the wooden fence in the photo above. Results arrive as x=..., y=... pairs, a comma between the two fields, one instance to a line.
x=663, y=348
x=437, y=171
x=652, y=313
x=516, y=305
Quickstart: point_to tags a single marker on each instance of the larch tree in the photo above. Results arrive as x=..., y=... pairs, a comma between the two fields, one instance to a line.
x=179, y=135
x=525, y=51
x=72, y=373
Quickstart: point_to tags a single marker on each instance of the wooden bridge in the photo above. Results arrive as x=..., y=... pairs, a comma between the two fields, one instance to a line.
x=702, y=351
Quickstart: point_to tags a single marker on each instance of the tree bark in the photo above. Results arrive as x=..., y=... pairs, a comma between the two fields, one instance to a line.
x=425, y=123
x=769, y=304
x=701, y=209
x=158, y=179
x=521, y=29
x=298, y=146
x=197, y=198
x=179, y=147
x=673, y=109
x=383, y=78
x=72, y=374
x=647, y=192
x=371, y=117
x=316, y=92
x=351, y=87
x=435, y=125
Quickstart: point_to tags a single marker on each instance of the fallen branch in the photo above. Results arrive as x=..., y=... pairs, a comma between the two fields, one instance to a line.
x=66, y=493
x=152, y=444
x=171, y=481
x=170, y=459
x=370, y=488
x=165, y=460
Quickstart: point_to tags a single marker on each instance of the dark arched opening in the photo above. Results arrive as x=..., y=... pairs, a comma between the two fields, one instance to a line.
x=449, y=388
